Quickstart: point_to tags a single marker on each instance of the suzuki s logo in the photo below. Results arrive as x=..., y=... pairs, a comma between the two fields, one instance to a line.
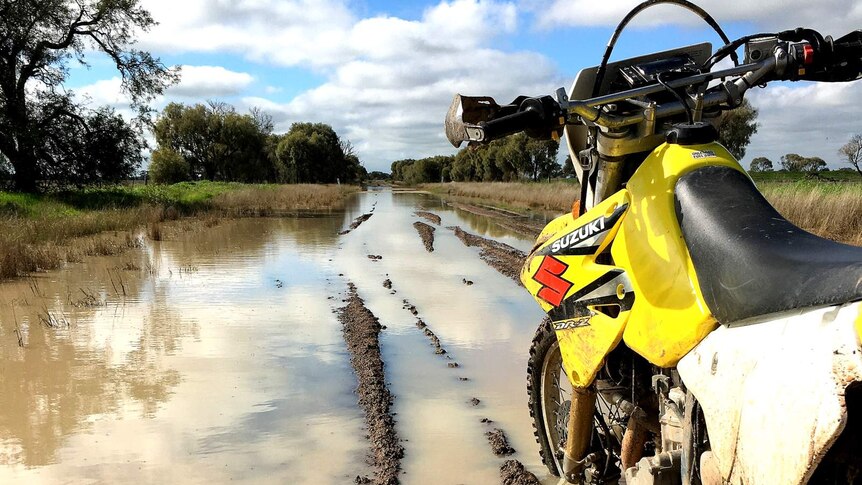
x=579, y=235
x=554, y=287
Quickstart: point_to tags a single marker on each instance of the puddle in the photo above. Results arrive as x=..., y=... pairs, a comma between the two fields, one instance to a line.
x=217, y=357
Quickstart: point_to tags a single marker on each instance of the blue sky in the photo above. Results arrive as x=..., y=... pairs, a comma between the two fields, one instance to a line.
x=383, y=72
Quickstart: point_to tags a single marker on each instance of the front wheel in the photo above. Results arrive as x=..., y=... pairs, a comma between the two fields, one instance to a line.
x=550, y=399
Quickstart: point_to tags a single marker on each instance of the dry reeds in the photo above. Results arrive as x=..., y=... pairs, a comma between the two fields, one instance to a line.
x=267, y=200
x=833, y=211
x=32, y=233
x=154, y=231
x=554, y=196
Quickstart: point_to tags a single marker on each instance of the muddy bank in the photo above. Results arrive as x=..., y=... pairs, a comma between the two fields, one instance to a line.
x=513, y=473
x=356, y=223
x=430, y=216
x=510, y=220
x=361, y=331
x=426, y=232
x=502, y=257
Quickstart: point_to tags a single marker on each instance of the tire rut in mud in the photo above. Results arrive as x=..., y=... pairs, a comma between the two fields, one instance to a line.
x=502, y=257
x=357, y=222
x=426, y=232
x=512, y=472
x=361, y=331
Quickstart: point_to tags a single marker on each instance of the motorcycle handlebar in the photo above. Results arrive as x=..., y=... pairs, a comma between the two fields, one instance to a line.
x=801, y=54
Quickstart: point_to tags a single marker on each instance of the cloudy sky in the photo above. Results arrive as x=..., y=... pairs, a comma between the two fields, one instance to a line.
x=383, y=72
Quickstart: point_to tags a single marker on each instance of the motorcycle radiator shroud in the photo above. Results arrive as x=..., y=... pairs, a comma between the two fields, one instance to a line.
x=622, y=270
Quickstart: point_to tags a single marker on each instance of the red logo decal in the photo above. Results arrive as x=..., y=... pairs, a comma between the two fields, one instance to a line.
x=554, y=288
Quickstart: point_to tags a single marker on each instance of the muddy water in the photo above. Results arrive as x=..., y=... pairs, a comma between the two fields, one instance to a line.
x=215, y=356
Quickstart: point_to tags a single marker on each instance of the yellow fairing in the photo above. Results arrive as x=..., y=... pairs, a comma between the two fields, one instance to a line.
x=859, y=324
x=584, y=340
x=669, y=316
x=651, y=280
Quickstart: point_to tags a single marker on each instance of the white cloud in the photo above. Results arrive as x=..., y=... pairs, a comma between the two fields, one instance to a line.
x=835, y=17
x=283, y=32
x=388, y=81
x=105, y=92
x=210, y=81
x=813, y=119
x=391, y=98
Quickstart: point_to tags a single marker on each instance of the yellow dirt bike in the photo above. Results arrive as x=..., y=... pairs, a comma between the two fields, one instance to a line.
x=694, y=335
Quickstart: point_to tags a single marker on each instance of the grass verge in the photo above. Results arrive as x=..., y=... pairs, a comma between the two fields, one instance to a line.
x=41, y=232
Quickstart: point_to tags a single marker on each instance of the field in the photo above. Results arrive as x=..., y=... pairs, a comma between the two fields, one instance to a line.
x=829, y=205
x=40, y=232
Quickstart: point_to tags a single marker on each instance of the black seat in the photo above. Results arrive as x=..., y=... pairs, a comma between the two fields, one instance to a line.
x=750, y=260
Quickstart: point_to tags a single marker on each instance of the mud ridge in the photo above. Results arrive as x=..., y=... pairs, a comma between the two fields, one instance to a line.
x=356, y=223
x=502, y=257
x=421, y=325
x=499, y=443
x=430, y=216
x=426, y=232
x=510, y=220
x=513, y=473
x=361, y=330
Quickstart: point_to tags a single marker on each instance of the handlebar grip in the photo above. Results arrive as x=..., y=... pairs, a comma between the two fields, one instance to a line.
x=538, y=117
x=509, y=124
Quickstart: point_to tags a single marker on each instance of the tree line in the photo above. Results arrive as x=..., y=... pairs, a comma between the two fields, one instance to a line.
x=516, y=157
x=215, y=142
x=851, y=154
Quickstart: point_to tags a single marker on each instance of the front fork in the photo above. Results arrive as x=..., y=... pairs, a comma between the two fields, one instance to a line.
x=579, y=431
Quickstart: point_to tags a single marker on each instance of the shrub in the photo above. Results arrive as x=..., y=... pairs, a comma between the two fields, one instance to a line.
x=168, y=167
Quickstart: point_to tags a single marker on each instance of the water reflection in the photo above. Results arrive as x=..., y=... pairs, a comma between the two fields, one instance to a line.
x=217, y=357
x=195, y=355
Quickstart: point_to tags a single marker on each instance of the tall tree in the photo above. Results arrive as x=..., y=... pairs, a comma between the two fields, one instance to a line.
x=312, y=153
x=793, y=162
x=38, y=39
x=852, y=152
x=736, y=128
x=761, y=164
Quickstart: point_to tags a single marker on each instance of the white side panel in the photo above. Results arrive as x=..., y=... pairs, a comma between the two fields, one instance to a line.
x=772, y=393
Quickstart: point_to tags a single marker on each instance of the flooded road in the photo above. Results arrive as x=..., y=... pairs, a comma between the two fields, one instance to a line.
x=216, y=355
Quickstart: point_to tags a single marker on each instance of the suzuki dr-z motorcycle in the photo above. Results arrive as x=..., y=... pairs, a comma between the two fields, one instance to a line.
x=693, y=334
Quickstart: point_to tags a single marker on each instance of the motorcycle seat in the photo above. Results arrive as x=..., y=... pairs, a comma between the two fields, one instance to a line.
x=751, y=261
